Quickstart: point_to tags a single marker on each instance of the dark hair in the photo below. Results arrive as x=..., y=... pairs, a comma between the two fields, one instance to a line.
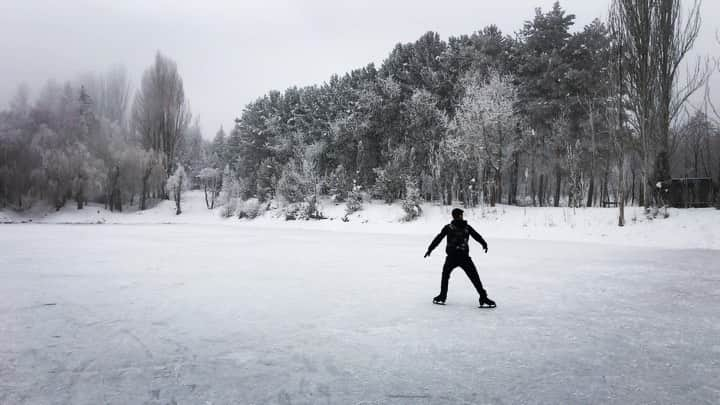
x=456, y=213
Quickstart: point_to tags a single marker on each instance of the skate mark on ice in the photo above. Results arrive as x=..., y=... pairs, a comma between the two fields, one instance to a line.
x=155, y=394
x=332, y=368
x=409, y=396
x=284, y=398
x=143, y=346
x=307, y=363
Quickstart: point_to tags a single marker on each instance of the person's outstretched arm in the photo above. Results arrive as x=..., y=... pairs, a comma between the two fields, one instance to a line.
x=478, y=238
x=436, y=241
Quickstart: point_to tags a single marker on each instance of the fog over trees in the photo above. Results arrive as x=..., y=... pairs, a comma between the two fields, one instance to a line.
x=552, y=115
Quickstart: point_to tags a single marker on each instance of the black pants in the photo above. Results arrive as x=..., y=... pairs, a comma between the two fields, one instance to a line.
x=465, y=263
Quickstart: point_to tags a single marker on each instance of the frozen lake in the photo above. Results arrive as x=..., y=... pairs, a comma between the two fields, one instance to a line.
x=217, y=314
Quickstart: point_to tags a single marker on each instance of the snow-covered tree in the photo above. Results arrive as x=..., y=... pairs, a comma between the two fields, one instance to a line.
x=210, y=181
x=192, y=152
x=267, y=176
x=487, y=119
x=292, y=186
x=354, y=200
x=152, y=174
x=250, y=209
x=160, y=112
x=337, y=184
x=176, y=184
x=230, y=193
x=411, y=202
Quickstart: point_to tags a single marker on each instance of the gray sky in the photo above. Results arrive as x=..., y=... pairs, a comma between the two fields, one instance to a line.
x=231, y=52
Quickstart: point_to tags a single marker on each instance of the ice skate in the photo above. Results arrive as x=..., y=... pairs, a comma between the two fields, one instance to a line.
x=487, y=303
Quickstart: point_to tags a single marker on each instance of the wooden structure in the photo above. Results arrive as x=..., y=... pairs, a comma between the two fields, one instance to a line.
x=689, y=192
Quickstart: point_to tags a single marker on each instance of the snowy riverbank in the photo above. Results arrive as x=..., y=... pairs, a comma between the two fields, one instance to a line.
x=683, y=229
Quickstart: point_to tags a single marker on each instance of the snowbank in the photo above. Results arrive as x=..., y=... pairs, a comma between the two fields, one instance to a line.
x=684, y=229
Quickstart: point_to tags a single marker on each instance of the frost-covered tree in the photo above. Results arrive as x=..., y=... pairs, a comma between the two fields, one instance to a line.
x=411, y=202
x=176, y=184
x=293, y=186
x=152, y=174
x=230, y=193
x=337, y=184
x=354, y=200
x=110, y=92
x=487, y=119
x=192, y=151
x=218, y=156
x=388, y=183
x=210, y=181
x=266, y=180
x=427, y=125
x=160, y=112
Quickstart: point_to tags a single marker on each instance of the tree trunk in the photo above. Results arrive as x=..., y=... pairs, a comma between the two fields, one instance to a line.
x=514, y=173
x=606, y=183
x=79, y=200
x=593, y=155
x=541, y=190
x=632, y=201
x=641, y=192
x=207, y=203
x=145, y=191
x=533, y=190
x=558, y=179
x=498, y=188
x=645, y=186
x=621, y=188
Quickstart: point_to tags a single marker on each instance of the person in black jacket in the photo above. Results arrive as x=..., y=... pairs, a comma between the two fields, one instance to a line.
x=458, y=234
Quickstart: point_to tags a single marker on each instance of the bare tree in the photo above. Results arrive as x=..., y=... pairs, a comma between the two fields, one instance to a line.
x=160, y=113
x=109, y=93
x=116, y=90
x=210, y=179
x=654, y=38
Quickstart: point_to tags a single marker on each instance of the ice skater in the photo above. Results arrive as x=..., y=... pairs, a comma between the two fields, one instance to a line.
x=458, y=234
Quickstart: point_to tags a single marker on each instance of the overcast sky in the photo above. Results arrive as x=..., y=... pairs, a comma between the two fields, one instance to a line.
x=232, y=52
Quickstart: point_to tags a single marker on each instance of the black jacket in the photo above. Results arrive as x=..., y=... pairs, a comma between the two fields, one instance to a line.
x=458, y=234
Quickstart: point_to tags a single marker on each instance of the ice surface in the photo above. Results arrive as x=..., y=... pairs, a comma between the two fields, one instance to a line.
x=246, y=314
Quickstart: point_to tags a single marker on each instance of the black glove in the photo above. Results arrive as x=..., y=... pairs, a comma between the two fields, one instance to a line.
x=427, y=253
x=485, y=247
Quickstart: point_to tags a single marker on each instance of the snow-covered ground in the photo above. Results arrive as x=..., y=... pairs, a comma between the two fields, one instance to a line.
x=215, y=311
x=683, y=229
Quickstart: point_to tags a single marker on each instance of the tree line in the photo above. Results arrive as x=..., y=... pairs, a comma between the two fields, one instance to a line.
x=87, y=140
x=548, y=116
x=545, y=117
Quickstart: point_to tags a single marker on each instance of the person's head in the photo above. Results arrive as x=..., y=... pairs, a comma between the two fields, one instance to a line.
x=457, y=214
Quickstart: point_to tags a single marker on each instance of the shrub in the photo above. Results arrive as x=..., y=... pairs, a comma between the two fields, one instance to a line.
x=411, y=202
x=250, y=209
x=354, y=201
x=388, y=184
x=308, y=209
x=291, y=186
x=228, y=209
